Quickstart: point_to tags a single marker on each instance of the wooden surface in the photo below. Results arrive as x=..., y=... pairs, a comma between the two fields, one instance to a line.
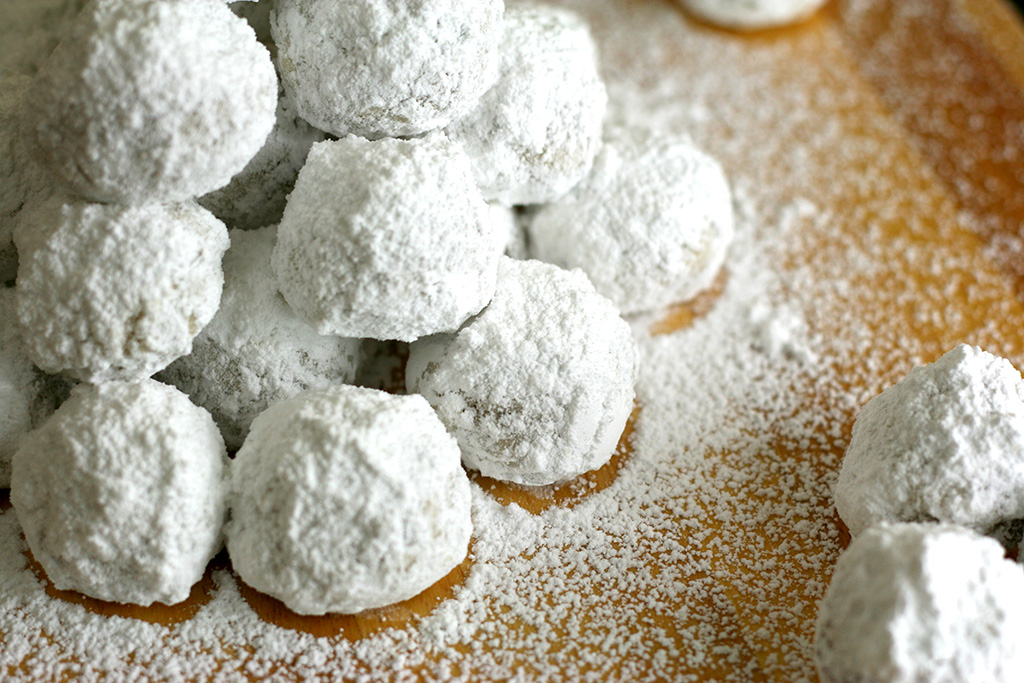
x=894, y=96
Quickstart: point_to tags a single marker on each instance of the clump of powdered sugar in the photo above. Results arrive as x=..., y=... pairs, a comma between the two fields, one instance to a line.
x=345, y=499
x=944, y=443
x=753, y=15
x=257, y=195
x=537, y=388
x=387, y=239
x=914, y=602
x=376, y=68
x=256, y=352
x=152, y=100
x=534, y=134
x=22, y=182
x=123, y=492
x=111, y=292
x=650, y=225
x=28, y=395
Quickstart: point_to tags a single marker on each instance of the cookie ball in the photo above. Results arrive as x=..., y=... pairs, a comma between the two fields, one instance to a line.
x=922, y=602
x=378, y=68
x=257, y=195
x=650, y=225
x=386, y=240
x=22, y=182
x=27, y=395
x=111, y=292
x=347, y=499
x=123, y=492
x=752, y=15
x=538, y=387
x=945, y=443
x=256, y=352
x=535, y=132
x=152, y=100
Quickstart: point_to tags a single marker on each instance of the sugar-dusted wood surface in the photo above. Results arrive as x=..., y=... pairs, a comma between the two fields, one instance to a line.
x=903, y=124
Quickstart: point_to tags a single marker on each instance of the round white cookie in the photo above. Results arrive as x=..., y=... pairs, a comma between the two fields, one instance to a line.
x=922, y=602
x=538, y=387
x=123, y=492
x=256, y=352
x=651, y=224
x=347, y=499
x=536, y=131
x=110, y=292
x=378, y=68
x=752, y=15
x=944, y=443
x=152, y=100
x=386, y=240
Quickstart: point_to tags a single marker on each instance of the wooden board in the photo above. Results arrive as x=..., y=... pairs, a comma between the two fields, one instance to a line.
x=904, y=128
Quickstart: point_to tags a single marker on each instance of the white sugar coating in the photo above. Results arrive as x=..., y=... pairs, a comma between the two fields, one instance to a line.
x=346, y=499
x=650, y=225
x=379, y=68
x=944, y=443
x=152, y=100
x=256, y=196
x=22, y=182
x=536, y=131
x=387, y=240
x=112, y=292
x=538, y=387
x=256, y=352
x=123, y=492
x=31, y=29
x=922, y=602
x=752, y=15
x=28, y=396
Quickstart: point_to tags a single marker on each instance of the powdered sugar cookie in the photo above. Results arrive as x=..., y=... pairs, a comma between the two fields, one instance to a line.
x=752, y=15
x=347, y=499
x=123, y=492
x=388, y=239
x=538, y=387
x=152, y=100
x=534, y=134
x=921, y=602
x=108, y=292
x=256, y=352
x=650, y=225
x=378, y=68
x=944, y=443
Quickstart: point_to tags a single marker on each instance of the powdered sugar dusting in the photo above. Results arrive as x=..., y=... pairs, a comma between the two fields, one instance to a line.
x=707, y=555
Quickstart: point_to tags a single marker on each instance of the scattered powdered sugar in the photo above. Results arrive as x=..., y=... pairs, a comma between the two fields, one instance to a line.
x=922, y=602
x=707, y=554
x=31, y=29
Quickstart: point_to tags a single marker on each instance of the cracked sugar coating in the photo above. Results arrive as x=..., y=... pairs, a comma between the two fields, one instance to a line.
x=922, y=602
x=108, y=292
x=752, y=15
x=22, y=182
x=538, y=387
x=257, y=195
x=944, y=443
x=388, y=239
x=536, y=131
x=650, y=225
x=346, y=499
x=123, y=492
x=152, y=100
x=380, y=68
x=28, y=395
x=256, y=352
